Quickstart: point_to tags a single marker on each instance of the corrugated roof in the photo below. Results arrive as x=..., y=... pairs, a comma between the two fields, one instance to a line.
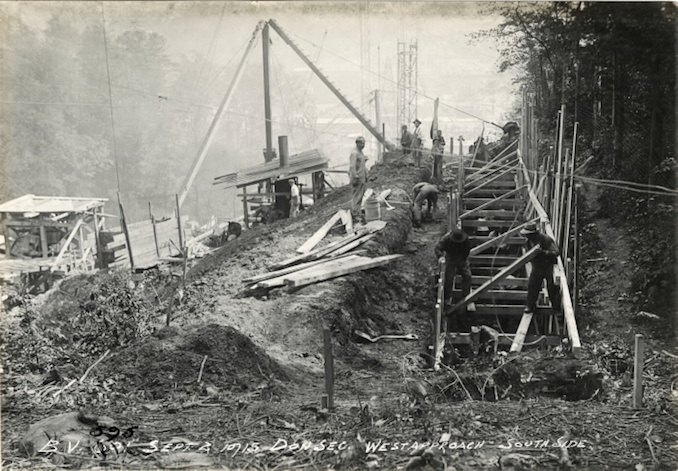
x=50, y=204
x=306, y=162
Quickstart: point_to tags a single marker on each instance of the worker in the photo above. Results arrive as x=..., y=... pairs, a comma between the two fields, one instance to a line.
x=295, y=198
x=417, y=142
x=542, y=268
x=405, y=140
x=437, y=155
x=441, y=140
x=357, y=175
x=455, y=247
x=423, y=192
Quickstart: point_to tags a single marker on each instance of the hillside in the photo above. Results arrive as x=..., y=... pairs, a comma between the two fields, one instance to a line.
x=259, y=357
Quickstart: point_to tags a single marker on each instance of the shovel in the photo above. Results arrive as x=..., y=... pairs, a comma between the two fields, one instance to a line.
x=384, y=337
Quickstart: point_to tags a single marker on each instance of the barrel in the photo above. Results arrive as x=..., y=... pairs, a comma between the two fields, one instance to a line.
x=372, y=209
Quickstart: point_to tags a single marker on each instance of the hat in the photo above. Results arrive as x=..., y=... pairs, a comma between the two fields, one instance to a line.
x=458, y=236
x=416, y=121
x=531, y=228
x=360, y=139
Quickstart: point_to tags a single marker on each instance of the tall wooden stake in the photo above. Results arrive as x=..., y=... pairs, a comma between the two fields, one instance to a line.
x=328, y=398
x=123, y=223
x=638, y=372
x=155, y=233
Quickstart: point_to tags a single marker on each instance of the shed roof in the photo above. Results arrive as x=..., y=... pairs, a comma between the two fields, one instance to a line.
x=50, y=204
x=305, y=162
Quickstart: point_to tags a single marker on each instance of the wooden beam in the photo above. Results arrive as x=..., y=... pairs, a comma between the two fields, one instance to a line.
x=518, y=340
x=493, y=179
x=352, y=245
x=245, y=209
x=500, y=238
x=476, y=178
x=324, y=264
x=440, y=305
x=519, y=263
x=320, y=233
x=64, y=249
x=292, y=269
x=180, y=227
x=489, y=203
x=347, y=268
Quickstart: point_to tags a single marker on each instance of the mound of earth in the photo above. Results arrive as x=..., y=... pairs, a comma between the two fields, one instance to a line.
x=167, y=361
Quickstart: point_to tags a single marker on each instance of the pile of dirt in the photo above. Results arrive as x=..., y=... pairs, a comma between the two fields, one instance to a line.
x=167, y=361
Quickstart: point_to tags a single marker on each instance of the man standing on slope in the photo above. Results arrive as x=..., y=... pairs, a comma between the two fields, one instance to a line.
x=357, y=175
x=417, y=142
x=542, y=268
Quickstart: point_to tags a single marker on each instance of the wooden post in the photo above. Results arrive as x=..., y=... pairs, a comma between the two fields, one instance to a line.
x=577, y=251
x=97, y=239
x=180, y=228
x=438, y=318
x=8, y=246
x=328, y=398
x=155, y=232
x=638, y=372
x=123, y=223
x=245, y=210
x=43, y=240
x=547, y=193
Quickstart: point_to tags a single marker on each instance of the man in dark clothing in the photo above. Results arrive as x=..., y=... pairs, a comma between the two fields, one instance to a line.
x=455, y=247
x=405, y=140
x=542, y=268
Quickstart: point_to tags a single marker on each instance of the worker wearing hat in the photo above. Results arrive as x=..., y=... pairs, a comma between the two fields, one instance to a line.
x=417, y=142
x=357, y=175
x=405, y=140
x=542, y=268
x=455, y=246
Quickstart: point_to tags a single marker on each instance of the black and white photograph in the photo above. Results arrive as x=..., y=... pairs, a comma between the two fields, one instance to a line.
x=352, y=235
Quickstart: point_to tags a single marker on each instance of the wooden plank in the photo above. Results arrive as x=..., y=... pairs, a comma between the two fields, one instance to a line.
x=500, y=239
x=352, y=245
x=492, y=260
x=280, y=280
x=507, y=310
x=497, y=278
x=510, y=281
x=501, y=223
x=285, y=271
x=463, y=338
x=508, y=240
x=499, y=201
x=440, y=305
x=490, y=203
x=499, y=295
x=486, y=183
x=317, y=253
x=347, y=268
x=320, y=233
x=498, y=214
x=517, y=344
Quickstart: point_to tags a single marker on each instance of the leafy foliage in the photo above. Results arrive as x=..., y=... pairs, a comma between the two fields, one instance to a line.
x=81, y=319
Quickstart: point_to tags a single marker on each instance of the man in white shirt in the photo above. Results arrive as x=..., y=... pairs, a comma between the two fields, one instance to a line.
x=295, y=198
x=417, y=142
x=357, y=175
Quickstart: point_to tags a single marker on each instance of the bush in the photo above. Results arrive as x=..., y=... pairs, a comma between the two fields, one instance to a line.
x=80, y=318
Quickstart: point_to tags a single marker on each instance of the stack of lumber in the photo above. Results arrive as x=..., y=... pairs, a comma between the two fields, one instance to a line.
x=335, y=259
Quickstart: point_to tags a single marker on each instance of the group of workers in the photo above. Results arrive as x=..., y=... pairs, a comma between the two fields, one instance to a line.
x=455, y=246
x=412, y=143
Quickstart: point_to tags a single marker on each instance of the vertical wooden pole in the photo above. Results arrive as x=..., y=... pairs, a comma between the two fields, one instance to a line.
x=638, y=372
x=245, y=210
x=577, y=251
x=8, y=246
x=97, y=239
x=439, y=313
x=265, y=41
x=123, y=223
x=43, y=240
x=180, y=228
x=155, y=231
x=547, y=192
x=328, y=399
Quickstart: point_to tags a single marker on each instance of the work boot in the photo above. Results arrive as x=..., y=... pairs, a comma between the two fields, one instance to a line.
x=471, y=307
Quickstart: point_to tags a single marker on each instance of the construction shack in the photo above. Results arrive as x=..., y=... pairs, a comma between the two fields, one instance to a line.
x=272, y=181
x=48, y=236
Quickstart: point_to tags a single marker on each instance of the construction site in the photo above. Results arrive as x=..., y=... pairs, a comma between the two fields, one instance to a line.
x=312, y=322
